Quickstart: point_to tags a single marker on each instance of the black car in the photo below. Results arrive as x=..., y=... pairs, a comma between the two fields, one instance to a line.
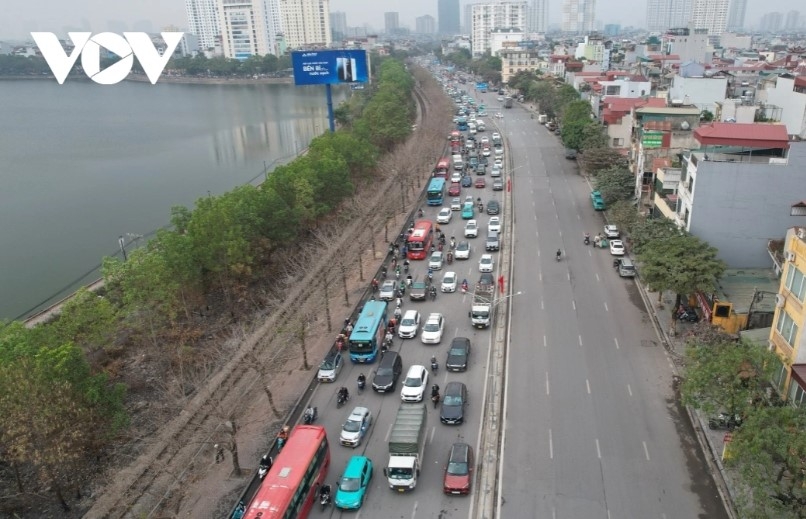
x=458, y=354
x=493, y=207
x=467, y=181
x=481, y=169
x=388, y=372
x=418, y=291
x=453, y=404
x=498, y=184
x=486, y=279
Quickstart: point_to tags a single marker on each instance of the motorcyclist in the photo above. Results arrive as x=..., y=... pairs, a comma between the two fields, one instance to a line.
x=434, y=390
x=434, y=364
x=406, y=265
x=453, y=243
x=282, y=436
x=398, y=313
x=464, y=285
x=344, y=394
x=374, y=285
x=420, y=213
x=559, y=253
x=309, y=415
x=587, y=238
x=433, y=292
x=388, y=339
x=409, y=280
x=362, y=380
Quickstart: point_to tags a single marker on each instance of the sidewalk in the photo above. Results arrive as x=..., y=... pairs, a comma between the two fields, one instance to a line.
x=673, y=337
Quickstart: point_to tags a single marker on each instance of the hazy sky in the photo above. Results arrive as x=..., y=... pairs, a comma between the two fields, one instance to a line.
x=22, y=16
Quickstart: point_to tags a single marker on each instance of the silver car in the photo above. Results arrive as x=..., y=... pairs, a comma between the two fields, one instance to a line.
x=387, y=291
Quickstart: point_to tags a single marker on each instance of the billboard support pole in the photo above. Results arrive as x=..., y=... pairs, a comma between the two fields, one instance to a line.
x=330, y=118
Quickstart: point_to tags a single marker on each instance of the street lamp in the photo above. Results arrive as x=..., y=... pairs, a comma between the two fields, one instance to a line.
x=499, y=300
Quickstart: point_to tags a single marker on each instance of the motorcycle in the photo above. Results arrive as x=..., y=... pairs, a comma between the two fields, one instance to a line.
x=724, y=421
x=434, y=365
x=310, y=415
x=265, y=465
x=342, y=398
x=559, y=254
x=362, y=383
x=587, y=240
x=324, y=496
x=433, y=292
x=449, y=258
x=464, y=288
x=688, y=315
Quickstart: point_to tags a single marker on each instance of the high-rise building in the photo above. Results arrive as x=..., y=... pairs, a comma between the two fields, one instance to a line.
x=391, y=22
x=578, y=16
x=538, y=16
x=711, y=15
x=771, y=22
x=425, y=24
x=306, y=23
x=736, y=15
x=500, y=15
x=448, y=16
x=248, y=27
x=467, y=22
x=792, y=21
x=338, y=25
x=665, y=14
x=203, y=21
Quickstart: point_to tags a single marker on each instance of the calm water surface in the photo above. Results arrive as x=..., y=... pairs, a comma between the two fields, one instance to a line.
x=82, y=164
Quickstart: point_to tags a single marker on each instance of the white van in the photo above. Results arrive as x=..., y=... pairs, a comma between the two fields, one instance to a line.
x=458, y=163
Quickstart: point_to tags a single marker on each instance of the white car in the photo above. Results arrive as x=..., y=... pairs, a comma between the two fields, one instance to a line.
x=449, y=282
x=499, y=115
x=435, y=261
x=496, y=171
x=494, y=224
x=356, y=427
x=485, y=152
x=486, y=263
x=611, y=231
x=414, y=384
x=387, y=291
x=432, y=329
x=616, y=248
x=496, y=135
x=456, y=204
x=498, y=162
x=444, y=215
x=500, y=99
x=462, y=250
x=456, y=176
x=485, y=139
x=409, y=325
x=471, y=229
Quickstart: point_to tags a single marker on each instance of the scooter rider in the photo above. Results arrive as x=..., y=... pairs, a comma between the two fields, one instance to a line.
x=344, y=394
x=587, y=238
x=362, y=380
x=559, y=253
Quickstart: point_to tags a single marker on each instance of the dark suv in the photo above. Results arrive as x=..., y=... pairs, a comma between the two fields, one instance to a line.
x=458, y=354
x=418, y=291
x=387, y=373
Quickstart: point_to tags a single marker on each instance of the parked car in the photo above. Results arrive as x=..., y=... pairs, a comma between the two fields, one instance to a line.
x=432, y=329
x=616, y=248
x=458, y=477
x=611, y=231
x=330, y=367
x=352, y=486
x=445, y=215
x=356, y=427
x=597, y=201
x=570, y=153
x=454, y=401
x=458, y=354
x=414, y=384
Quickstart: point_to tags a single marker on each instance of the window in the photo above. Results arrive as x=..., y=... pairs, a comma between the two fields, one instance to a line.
x=617, y=142
x=797, y=396
x=795, y=282
x=786, y=327
x=779, y=376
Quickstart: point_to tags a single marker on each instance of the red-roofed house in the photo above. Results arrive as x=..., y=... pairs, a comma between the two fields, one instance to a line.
x=789, y=94
x=616, y=115
x=736, y=191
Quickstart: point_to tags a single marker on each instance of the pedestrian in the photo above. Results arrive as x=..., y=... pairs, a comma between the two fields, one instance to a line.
x=219, y=453
x=339, y=343
x=346, y=322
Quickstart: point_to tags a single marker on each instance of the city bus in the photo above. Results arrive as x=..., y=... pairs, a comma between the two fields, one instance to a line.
x=418, y=243
x=443, y=167
x=368, y=332
x=290, y=488
x=436, y=191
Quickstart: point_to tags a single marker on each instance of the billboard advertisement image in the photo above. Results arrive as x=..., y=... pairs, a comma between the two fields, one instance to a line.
x=323, y=67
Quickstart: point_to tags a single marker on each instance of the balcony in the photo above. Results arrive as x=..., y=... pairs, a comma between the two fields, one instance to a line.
x=697, y=156
x=668, y=205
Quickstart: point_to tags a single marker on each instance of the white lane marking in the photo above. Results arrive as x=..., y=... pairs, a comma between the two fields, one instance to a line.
x=578, y=217
x=606, y=310
x=540, y=276
x=551, y=446
x=388, y=432
x=598, y=450
x=545, y=342
x=616, y=341
x=580, y=340
x=588, y=384
x=597, y=277
x=573, y=304
x=568, y=276
x=629, y=389
x=547, y=383
x=646, y=451
x=433, y=431
x=414, y=509
x=535, y=217
x=541, y=304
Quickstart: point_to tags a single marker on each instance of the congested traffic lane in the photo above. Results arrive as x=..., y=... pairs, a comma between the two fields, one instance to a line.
x=590, y=429
x=427, y=500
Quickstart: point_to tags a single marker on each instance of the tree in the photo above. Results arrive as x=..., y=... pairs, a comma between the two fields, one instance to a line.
x=87, y=319
x=576, y=111
x=598, y=158
x=593, y=136
x=769, y=451
x=615, y=184
x=623, y=214
x=706, y=116
x=649, y=230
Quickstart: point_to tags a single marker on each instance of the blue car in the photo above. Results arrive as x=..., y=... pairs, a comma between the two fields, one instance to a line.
x=467, y=181
x=468, y=211
x=353, y=484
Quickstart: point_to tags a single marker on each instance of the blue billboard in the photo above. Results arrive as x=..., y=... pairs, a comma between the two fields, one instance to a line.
x=327, y=67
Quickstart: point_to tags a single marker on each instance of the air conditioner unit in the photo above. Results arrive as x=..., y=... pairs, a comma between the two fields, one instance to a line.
x=802, y=233
x=779, y=300
x=789, y=255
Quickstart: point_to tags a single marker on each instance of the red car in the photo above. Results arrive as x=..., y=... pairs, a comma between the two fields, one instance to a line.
x=455, y=189
x=459, y=472
x=480, y=182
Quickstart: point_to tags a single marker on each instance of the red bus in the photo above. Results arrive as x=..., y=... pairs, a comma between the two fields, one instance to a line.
x=418, y=243
x=443, y=167
x=290, y=488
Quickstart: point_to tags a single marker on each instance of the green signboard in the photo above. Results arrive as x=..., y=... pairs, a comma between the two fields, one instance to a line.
x=652, y=139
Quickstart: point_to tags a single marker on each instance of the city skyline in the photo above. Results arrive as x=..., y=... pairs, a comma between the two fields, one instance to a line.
x=21, y=18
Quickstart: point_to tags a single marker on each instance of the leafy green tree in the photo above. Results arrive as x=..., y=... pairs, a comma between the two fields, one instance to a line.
x=769, y=452
x=87, y=319
x=593, y=136
x=682, y=263
x=624, y=214
x=706, y=116
x=576, y=111
x=598, y=158
x=574, y=133
x=615, y=184
x=725, y=375
x=649, y=230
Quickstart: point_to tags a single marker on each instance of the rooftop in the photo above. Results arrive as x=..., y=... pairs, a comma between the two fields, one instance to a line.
x=738, y=286
x=746, y=135
x=669, y=110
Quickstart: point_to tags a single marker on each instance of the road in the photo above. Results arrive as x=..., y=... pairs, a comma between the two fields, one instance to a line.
x=427, y=500
x=592, y=429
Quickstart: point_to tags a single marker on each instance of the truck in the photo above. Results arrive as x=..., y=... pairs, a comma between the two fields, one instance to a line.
x=406, y=447
x=482, y=305
x=508, y=102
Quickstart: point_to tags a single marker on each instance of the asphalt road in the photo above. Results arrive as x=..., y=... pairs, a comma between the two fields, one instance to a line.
x=591, y=426
x=427, y=500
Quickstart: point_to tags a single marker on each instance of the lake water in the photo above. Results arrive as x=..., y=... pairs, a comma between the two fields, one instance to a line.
x=82, y=164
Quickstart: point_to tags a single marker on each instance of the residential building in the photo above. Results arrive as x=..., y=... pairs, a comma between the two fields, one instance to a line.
x=425, y=24
x=792, y=21
x=666, y=14
x=593, y=50
x=518, y=60
x=703, y=92
x=787, y=335
x=203, y=21
x=578, y=16
x=736, y=15
x=489, y=16
x=735, y=41
x=248, y=28
x=391, y=22
x=617, y=117
x=771, y=22
x=467, y=22
x=688, y=44
x=711, y=15
x=448, y=16
x=538, y=16
x=789, y=93
x=510, y=38
x=737, y=189
x=306, y=23
x=338, y=25
x=612, y=29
